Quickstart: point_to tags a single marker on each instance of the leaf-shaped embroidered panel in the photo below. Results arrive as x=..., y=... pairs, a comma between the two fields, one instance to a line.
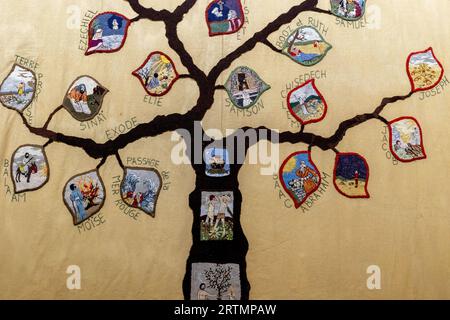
x=157, y=74
x=140, y=189
x=306, y=103
x=84, y=195
x=351, y=175
x=224, y=17
x=299, y=176
x=244, y=87
x=306, y=46
x=29, y=168
x=107, y=33
x=424, y=70
x=406, y=140
x=18, y=88
x=348, y=9
x=84, y=98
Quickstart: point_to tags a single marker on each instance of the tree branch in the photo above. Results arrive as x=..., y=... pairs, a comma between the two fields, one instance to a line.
x=271, y=46
x=324, y=143
x=172, y=122
x=260, y=37
x=148, y=13
x=50, y=117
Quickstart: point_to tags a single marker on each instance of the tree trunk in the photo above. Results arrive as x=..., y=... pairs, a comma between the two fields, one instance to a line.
x=223, y=251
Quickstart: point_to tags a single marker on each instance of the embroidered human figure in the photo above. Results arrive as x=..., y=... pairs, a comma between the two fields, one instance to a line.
x=137, y=199
x=96, y=41
x=154, y=81
x=246, y=100
x=343, y=7
x=357, y=11
x=210, y=213
x=23, y=167
x=77, y=202
x=203, y=294
x=308, y=176
x=301, y=98
x=356, y=177
x=242, y=82
x=301, y=56
x=218, y=11
x=115, y=22
x=234, y=20
x=79, y=98
x=115, y=25
x=398, y=146
x=223, y=208
x=21, y=89
x=415, y=137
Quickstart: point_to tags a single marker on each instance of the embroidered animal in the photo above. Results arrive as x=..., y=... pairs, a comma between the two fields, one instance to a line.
x=26, y=171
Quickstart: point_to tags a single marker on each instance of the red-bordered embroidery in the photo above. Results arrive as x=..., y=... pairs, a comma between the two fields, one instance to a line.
x=288, y=191
x=421, y=139
x=336, y=161
x=177, y=76
x=128, y=23
x=313, y=83
x=212, y=34
x=411, y=80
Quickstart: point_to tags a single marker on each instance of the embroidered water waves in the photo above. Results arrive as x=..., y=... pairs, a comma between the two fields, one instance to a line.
x=140, y=189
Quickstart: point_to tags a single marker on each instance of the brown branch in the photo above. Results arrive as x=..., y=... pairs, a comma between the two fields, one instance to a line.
x=102, y=162
x=172, y=122
x=185, y=76
x=49, y=142
x=326, y=143
x=260, y=37
x=271, y=46
x=220, y=87
x=119, y=160
x=50, y=117
x=148, y=13
x=318, y=10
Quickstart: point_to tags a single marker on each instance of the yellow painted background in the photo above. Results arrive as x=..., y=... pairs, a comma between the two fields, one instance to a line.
x=404, y=228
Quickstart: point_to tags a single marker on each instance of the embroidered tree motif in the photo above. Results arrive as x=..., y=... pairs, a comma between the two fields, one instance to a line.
x=219, y=279
x=299, y=174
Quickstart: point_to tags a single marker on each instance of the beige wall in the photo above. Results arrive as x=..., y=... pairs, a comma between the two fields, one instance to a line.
x=404, y=228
